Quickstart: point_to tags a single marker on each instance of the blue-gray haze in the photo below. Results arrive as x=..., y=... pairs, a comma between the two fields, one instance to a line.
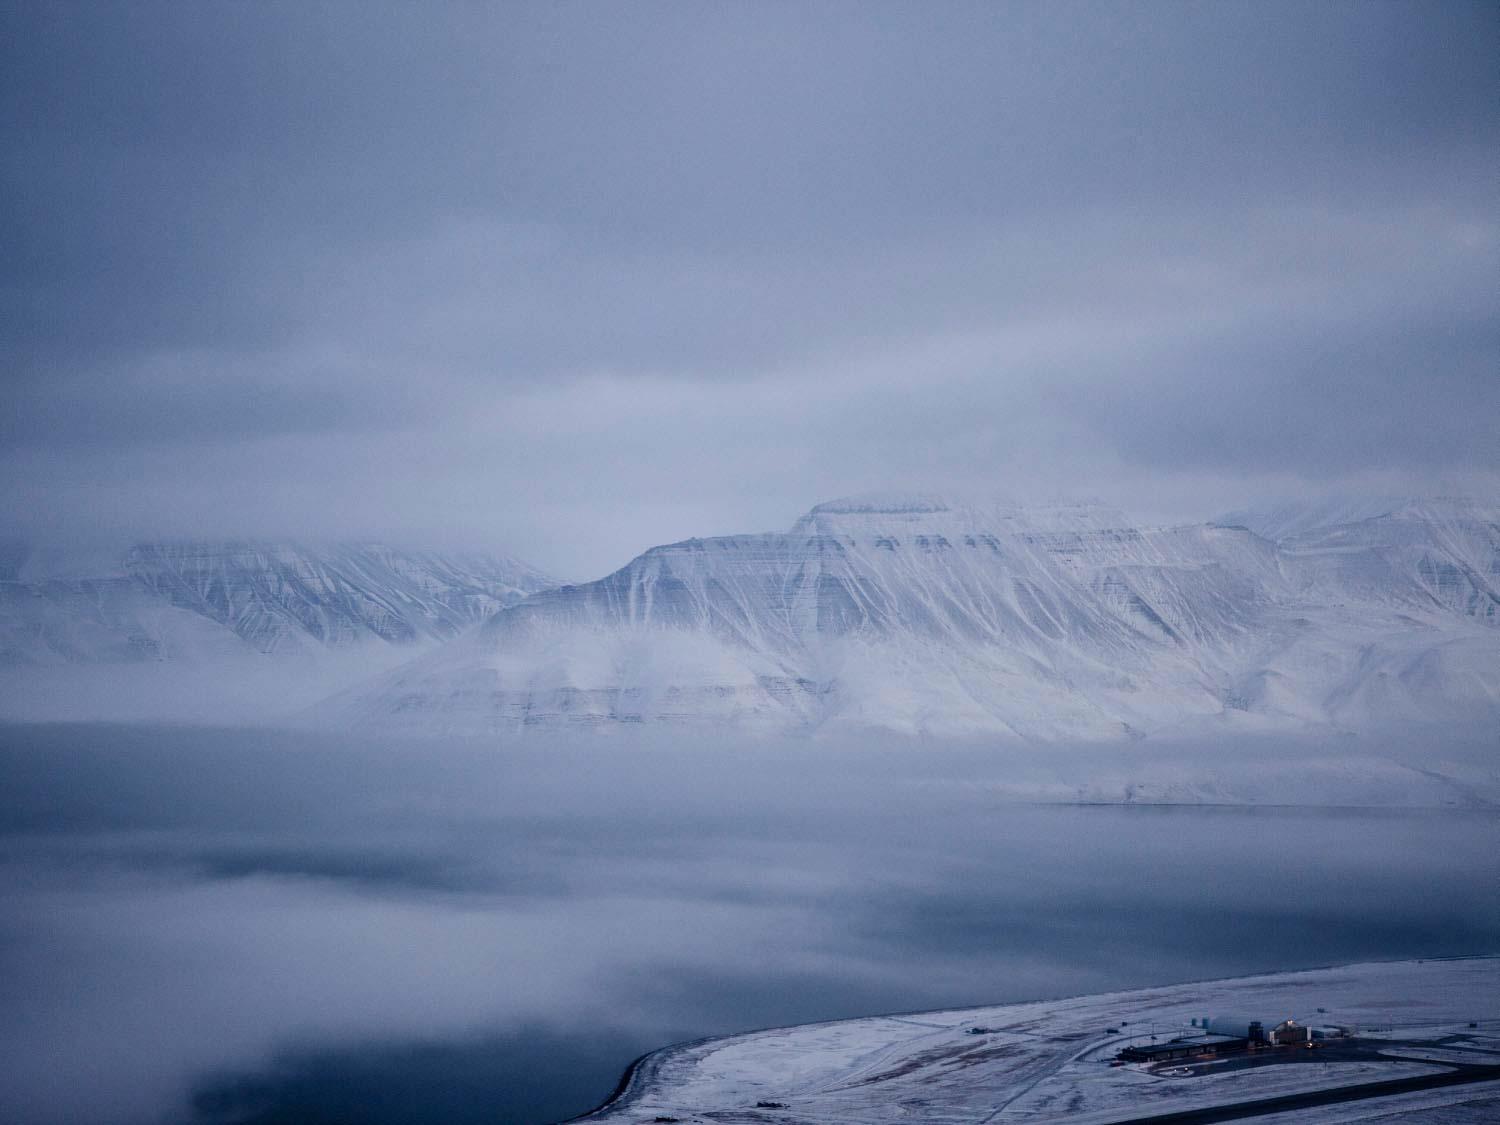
x=577, y=279
x=582, y=278
x=214, y=927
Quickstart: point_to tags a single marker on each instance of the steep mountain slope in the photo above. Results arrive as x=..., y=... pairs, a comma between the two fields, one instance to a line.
x=225, y=631
x=1418, y=553
x=918, y=615
x=157, y=601
x=273, y=595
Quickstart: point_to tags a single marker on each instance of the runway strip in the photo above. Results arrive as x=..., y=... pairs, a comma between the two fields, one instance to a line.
x=1280, y=1104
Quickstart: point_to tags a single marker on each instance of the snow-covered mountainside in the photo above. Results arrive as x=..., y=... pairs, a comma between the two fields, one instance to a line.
x=275, y=594
x=922, y=616
x=1288, y=518
x=157, y=601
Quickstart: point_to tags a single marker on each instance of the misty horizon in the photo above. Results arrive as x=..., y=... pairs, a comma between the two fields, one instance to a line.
x=574, y=282
x=535, y=531
x=90, y=554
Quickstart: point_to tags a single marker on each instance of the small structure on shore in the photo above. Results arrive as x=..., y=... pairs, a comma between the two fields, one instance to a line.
x=1217, y=1035
x=1290, y=1032
x=1185, y=1047
x=1242, y=1027
x=1256, y=1031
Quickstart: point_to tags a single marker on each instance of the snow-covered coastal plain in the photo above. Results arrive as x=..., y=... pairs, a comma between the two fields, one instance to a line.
x=1051, y=1060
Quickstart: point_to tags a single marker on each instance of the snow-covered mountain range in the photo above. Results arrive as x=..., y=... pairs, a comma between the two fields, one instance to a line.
x=226, y=631
x=140, y=603
x=919, y=615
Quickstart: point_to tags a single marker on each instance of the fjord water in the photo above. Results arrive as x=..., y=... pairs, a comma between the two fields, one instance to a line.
x=207, y=926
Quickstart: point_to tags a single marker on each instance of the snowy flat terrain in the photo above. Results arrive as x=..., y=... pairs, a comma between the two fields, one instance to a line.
x=1050, y=1060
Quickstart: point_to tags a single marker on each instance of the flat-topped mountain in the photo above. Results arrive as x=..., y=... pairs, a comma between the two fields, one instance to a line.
x=920, y=615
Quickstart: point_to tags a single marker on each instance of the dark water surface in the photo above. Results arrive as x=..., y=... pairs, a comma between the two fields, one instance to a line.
x=213, y=927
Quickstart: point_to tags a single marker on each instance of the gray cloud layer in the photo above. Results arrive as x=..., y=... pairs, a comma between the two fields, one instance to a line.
x=585, y=278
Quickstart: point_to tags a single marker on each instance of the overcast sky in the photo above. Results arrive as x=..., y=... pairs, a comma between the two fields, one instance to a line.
x=582, y=278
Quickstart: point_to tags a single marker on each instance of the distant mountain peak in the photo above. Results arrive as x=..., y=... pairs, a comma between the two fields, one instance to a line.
x=921, y=614
x=97, y=606
x=1290, y=518
x=881, y=513
x=881, y=504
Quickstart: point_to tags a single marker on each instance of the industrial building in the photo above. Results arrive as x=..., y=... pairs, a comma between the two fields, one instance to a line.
x=1219, y=1035
x=1185, y=1047
x=1286, y=1032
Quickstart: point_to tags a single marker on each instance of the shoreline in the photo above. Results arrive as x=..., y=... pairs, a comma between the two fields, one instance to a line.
x=634, y=1082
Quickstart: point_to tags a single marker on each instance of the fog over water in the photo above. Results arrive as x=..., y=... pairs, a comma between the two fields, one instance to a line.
x=569, y=281
x=207, y=926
